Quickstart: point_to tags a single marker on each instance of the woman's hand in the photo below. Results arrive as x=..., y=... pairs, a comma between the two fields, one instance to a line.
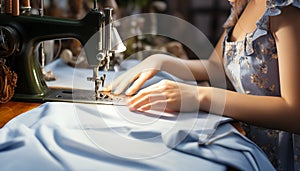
x=168, y=96
x=137, y=75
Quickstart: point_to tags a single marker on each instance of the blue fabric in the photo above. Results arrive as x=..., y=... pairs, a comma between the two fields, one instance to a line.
x=226, y=142
x=66, y=136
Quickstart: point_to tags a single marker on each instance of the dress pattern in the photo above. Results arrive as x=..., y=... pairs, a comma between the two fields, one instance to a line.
x=251, y=65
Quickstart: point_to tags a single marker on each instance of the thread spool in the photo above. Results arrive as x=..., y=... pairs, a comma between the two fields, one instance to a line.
x=15, y=7
x=26, y=3
x=8, y=6
x=26, y=6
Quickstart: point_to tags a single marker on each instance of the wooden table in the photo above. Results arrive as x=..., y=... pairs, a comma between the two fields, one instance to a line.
x=12, y=109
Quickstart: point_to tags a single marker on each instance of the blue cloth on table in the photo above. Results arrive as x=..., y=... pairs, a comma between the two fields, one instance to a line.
x=226, y=146
x=67, y=136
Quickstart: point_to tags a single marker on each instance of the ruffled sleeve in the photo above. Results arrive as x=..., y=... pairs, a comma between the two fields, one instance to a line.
x=274, y=6
x=273, y=9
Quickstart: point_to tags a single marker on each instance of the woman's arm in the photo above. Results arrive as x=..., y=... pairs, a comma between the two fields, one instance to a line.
x=274, y=112
x=267, y=111
x=201, y=70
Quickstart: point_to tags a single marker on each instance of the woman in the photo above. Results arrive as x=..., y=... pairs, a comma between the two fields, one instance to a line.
x=260, y=56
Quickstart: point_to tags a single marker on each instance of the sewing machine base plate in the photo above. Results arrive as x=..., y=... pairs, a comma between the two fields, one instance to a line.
x=84, y=96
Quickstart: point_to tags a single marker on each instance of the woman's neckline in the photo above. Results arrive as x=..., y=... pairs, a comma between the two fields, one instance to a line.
x=247, y=22
x=228, y=35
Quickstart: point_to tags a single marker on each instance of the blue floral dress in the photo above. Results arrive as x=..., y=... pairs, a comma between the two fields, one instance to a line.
x=251, y=66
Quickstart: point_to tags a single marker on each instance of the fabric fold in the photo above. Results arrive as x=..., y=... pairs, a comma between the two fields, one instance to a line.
x=226, y=146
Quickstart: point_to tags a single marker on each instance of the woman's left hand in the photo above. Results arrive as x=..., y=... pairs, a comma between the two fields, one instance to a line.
x=168, y=96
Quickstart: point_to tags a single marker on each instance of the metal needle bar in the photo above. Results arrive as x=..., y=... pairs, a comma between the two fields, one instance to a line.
x=41, y=9
x=95, y=5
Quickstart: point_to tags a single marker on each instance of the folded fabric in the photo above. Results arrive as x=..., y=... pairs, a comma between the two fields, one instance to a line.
x=226, y=146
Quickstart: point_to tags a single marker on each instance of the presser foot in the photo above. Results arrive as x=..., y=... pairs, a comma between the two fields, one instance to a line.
x=108, y=97
x=102, y=96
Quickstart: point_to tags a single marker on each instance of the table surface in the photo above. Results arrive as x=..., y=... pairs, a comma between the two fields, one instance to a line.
x=12, y=109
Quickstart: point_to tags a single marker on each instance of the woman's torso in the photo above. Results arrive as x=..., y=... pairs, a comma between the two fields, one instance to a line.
x=251, y=64
x=250, y=60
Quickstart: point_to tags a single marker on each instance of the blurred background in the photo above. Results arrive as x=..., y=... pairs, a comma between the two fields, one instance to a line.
x=207, y=15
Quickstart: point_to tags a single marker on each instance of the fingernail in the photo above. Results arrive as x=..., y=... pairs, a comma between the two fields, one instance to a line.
x=128, y=92
x=117, y=91
x=141, y=109
x=107, y=87
x=132, y=108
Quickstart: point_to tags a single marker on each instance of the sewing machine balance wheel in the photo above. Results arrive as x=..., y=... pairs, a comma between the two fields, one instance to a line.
x=8, y=79
x=8, y=41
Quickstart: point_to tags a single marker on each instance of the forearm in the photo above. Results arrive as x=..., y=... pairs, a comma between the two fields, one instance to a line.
x=186, y=69
x=201, y=69
x=266, y=111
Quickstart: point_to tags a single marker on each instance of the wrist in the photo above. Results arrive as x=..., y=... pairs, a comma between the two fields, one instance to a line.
x=204, y=98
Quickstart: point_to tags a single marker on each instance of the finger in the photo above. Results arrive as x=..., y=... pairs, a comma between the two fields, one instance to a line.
x=114, y=83
x=107, y=88
x=146, y=92
x=136, y=103
x=122, y=86
x=158, y=105
x=139, y=83
x=112, y=86
x=124, y=81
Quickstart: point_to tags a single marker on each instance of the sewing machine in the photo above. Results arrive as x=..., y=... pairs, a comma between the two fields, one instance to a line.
x=21, y=33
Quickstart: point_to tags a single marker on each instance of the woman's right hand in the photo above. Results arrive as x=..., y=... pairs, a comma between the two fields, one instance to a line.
x=137, y=75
